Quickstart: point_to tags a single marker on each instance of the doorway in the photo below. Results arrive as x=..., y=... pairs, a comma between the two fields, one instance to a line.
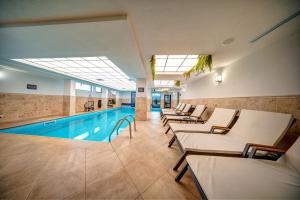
x=132, y=102
x=155, y=100
x=167, y=101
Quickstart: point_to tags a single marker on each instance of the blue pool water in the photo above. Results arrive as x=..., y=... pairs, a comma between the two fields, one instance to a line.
x=95, y=126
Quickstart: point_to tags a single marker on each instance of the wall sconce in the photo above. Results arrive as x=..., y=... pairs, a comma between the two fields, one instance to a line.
x=219, y=78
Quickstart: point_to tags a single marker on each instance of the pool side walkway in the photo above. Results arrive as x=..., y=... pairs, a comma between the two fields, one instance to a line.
x=33, y=167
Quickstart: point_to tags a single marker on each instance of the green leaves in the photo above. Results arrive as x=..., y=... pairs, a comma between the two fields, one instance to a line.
x=177, y=83
x=152, y=63
x=204, y=61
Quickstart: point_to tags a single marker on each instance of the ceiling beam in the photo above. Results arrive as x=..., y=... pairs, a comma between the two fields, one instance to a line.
x=63, y=20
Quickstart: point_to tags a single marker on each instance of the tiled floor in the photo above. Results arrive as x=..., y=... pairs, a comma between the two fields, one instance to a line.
x=49, y=168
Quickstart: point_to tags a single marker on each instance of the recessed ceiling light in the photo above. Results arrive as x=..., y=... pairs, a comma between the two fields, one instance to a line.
x=227, y=41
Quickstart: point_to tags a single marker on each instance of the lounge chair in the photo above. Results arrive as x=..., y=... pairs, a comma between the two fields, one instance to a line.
x=171, y=109
x=194, y=117
x=220, y=121
x=244, y=178
x=89, y=105
x=252, y=127
x=179, y=109
x=184, y=112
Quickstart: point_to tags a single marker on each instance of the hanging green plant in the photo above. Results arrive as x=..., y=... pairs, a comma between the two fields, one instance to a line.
x=204, y=61
x=152, y=63
x=177, y=83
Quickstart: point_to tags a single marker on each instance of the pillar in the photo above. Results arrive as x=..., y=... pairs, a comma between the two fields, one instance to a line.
x=69, y=98
x=104, y=98
x=141, y=100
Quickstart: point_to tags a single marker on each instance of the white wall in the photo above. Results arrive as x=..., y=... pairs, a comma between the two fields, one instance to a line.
x=271, y=71
x=12, y=81
x=125, y=95
x=84, y=93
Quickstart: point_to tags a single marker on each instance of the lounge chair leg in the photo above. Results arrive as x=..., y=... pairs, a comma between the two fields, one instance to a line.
x=164, y=119
x=180, y=161
x=168, y=130
x=181, y=173
x=172, y=141
x=166, y=122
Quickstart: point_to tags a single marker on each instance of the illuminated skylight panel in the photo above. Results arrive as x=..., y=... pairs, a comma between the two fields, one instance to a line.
x=164, y=83
x=174, y=64
x=95, y=69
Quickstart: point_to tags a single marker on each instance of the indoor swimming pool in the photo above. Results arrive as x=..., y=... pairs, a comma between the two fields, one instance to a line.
x=94, y=126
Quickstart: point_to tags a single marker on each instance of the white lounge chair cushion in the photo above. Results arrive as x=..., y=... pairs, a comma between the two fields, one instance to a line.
x=187, y=108
x=210, y=143
x=198, y=111
x=241, y=178
x=260, y=126
x=292, y=157
x=251, y=127
x=220, y=117
x=173, y=112
x=180, y=117
x=177, y=127
x=171, y=109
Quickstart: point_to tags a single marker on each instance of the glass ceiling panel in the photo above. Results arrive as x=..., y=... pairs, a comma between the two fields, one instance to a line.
x=164, y=83
x=174, y=64
x=86, y=68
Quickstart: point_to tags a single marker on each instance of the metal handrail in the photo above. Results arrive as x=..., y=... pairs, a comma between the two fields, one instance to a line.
x=119, y=123
x=133, y=120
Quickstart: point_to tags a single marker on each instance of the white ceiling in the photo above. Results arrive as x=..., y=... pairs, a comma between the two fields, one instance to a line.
x=152, y=28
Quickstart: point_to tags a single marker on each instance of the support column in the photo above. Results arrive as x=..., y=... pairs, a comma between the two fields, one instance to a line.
x=118, y=102
x=69, y=99
x=104, y=98
x=141, y=100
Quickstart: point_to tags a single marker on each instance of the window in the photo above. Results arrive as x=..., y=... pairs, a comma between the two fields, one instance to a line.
x=81, y=86
x=98, y=89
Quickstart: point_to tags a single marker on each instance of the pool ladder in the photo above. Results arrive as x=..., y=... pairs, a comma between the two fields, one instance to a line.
x=120, y=122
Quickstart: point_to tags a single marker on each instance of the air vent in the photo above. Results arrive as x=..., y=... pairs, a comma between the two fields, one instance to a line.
x=99, y=79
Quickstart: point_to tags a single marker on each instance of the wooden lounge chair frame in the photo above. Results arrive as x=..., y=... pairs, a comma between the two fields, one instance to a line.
x=252, y=154
x=180, y=113
x=244, y=153
x=187, y=119
x=212, y=130
x=161, y=112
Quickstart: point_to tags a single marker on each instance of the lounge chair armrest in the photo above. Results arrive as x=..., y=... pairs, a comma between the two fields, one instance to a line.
x=261, y=147
x=277, y=151
x=213, y=128
x=202, y=121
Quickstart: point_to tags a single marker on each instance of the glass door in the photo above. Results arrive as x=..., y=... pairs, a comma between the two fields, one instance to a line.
x=167, y=101
x=155, y=100
x=133, y=94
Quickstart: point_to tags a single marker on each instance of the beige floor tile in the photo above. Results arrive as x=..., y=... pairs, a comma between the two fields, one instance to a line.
x=129, y=154
x=187, y=181
x=144, y=173
x=63, y=176
x=118, y=186
x=167, y=188
x=102, y=168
